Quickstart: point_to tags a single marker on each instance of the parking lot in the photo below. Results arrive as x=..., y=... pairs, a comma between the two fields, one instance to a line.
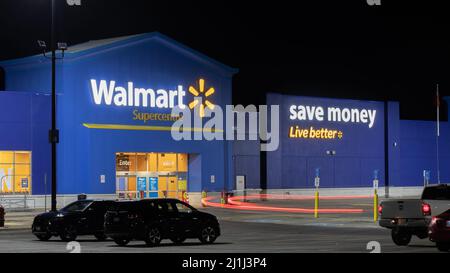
x=242, y=231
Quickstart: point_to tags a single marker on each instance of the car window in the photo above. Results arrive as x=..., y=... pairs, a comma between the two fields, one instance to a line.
x=183, y=208
x=436, y=193
x=162, y=207
x=100, y=206
x=149, y=206
x=123, y=206
x=76, y=206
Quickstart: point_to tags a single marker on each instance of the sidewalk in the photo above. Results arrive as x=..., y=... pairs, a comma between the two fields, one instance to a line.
x=20, y=219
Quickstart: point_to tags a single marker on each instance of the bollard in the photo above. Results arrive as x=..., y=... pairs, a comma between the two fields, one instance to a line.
x=204, y=195
x=222, y=198
x=316, y=204
x=375, y=206
x=316, y=197
x=375, y=195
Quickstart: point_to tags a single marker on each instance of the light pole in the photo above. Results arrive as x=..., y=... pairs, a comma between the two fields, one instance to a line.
x=54, y=132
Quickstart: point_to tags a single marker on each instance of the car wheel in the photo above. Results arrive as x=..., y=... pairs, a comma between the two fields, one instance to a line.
x=401, y=237
x=100, y=236
x=44, y=237
x=69, y=234
x=153, y=236
x=208, y=235
x=444, y=247
x=121, y=241
x=178, y=240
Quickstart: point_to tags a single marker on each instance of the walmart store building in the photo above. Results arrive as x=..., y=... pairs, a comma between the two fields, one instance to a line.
x=115, y=137
x=114, y=143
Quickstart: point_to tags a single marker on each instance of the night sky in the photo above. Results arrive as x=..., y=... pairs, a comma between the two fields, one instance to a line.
x=340, y=48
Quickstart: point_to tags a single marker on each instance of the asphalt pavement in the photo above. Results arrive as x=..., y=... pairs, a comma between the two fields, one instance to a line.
x=242, y=231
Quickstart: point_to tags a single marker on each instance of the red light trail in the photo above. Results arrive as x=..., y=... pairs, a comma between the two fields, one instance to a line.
x=236, y=203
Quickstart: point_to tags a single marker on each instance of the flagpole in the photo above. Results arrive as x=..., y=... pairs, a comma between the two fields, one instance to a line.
x=438, y=133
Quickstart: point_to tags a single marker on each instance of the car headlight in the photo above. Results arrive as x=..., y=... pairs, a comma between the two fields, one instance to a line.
x=60, y=215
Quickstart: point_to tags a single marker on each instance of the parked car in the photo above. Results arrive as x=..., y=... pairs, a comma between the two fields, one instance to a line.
x=2, y=216
x=439, y=231
x=407, y=217
x=153, y=220
x=84, y=217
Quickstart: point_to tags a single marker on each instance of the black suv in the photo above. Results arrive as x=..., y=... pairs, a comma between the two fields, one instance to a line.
x=155, y=219
x=84, y=217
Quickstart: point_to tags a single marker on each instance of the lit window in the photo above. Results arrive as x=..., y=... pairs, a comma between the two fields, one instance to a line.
x=15, y=172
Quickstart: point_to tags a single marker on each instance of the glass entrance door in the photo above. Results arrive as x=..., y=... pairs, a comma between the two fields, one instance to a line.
x=151, y=175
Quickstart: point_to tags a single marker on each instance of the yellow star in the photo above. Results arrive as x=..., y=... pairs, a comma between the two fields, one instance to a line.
x=197, y=94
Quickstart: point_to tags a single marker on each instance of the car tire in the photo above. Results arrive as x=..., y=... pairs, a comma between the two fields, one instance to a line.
x=444, y=247
x=178, y=240
x=208, y=234
x=69, y=233
x=153, y=236
x=121, y=241
x=100, y=236
x=43, y=237
x=401, y=237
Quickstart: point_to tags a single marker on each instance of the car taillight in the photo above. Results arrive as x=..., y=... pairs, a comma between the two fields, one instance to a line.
x=380, y=209
x=434, y=220
x=426, y=209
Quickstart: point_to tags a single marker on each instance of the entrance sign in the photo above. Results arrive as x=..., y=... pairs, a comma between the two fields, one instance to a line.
x=142, y=183
x=153, y=187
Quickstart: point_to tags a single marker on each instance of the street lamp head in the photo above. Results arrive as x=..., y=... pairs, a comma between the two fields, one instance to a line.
x=42, y=44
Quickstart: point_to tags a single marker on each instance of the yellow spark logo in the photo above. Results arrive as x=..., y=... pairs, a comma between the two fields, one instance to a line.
x=201, y=97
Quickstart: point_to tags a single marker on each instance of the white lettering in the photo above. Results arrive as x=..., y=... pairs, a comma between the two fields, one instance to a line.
x=102, y=92
x=108, y=93
x=334, y=114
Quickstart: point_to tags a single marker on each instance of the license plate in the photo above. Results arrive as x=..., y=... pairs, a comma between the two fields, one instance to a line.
x=448, y=224
x=38, y=228
x=116, y=219
x=401, y=221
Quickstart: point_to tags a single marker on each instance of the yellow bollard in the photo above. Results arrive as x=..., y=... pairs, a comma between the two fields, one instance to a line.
x=375, y=206
x=316, y=205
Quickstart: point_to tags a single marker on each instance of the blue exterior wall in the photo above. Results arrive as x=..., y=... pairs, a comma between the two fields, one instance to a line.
x=246, y=156
x=358, y=153
x=149, y=61
x=418, y=152
x=24, y=125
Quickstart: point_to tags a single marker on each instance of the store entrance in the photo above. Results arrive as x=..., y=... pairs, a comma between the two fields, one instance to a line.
x=151, y=175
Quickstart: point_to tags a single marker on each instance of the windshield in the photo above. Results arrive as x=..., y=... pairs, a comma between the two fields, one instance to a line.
x=76, y=206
